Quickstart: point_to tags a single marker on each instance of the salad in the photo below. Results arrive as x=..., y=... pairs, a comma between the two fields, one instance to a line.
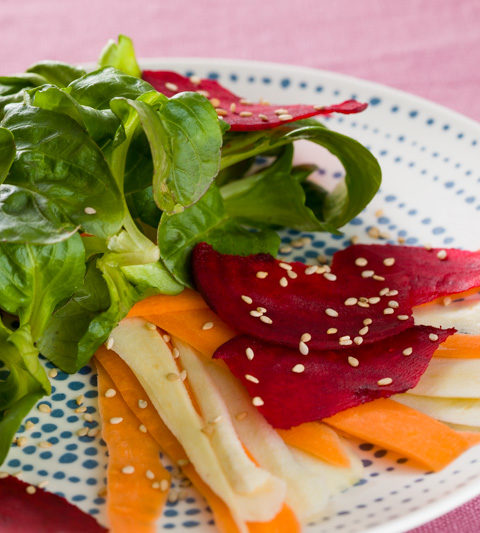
x=139, y=218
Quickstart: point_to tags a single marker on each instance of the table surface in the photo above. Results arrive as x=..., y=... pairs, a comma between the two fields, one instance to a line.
x=427, y=47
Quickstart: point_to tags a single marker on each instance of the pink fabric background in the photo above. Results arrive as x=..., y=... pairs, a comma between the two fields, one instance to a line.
x=427, y=47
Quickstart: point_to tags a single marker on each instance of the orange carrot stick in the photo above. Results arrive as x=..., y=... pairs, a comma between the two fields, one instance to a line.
x=284, y=522
x=317, y=439
x=134, y=499
x=460, y=346
x=164, y=303
x=472, y=438
x=402, y=429
x=464, y=294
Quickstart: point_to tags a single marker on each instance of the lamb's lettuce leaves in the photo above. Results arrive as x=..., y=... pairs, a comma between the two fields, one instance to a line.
x=7, y=152
x=56, y=72
x=120, y=55
x=10, y=85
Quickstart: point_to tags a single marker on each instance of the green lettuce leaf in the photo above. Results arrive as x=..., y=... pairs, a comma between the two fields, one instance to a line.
x=56, y=72
x=120, y=55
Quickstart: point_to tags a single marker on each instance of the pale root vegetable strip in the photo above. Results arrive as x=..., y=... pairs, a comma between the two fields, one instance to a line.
x=318, y=440
x=129, y=387
x=187, y=300
x=133, y=502
x=189, y=326
x=460, y=346
x=401, y=429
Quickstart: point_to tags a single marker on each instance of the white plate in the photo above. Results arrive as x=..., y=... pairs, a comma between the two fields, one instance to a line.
x=430, y=194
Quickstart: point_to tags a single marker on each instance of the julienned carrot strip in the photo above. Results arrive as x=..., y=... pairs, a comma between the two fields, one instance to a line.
x=284, y=522
x=456, y=296
x=163, y=303
x=460, y=346
x=134, y=501
x=403, y=430
x=316, y=439
x=472, y=438
x=128, y=386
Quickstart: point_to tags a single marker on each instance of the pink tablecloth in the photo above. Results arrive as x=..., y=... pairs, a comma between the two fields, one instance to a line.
x=427, y=47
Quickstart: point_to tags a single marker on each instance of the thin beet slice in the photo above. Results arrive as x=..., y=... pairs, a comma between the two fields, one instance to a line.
x=249, y=292
x=241, y=114
x=41, y=512
x=290, y=388
x=432, y=272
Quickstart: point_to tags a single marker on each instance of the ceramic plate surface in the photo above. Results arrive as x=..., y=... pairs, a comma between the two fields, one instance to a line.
x=430, y=195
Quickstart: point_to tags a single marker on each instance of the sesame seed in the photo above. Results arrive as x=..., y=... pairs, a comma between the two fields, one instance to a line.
x=346, y=342
x=361, y=262
x=285, y=117
x=245, y=113
x=298, y=243
x=172, y=376
x=363, y=331
x=384, y=291
x=79, y=399
x=255, y=313
x=306, y=337
x=291, y=274
x=215, y=420
x=171, y=86
x=241, y=416
x=150, y=474
x=393, y=292
x=88, y=417
x=368, y=273
x=233, y=107
x=195, y=80
x=44, y=408
x=353, y=361
x=344, y=338
x=207, y=325
x=281, y=111
x=447, y=300
x=408, y=351
x=150, y=326
x=221, y=112
x=261, y=274
x=251, y=378
x=329, y=276
x=402, y=317
x=285, y=249
x=303, y=348
x=21, y=441
x=93, y=432
x=442, y=254
x=298, y=369
x=244, y=101
x=379, y=213
x=164, y=484
x=311, y=270
x=374, y=300
x=109, y=343
x=129, y=469
x=374, y=232
x=166, y=338
x=358, y=340
x=388, y=311
x=43, y=484
x=81, y=409
x=176, y=353
x=389, y=261
x=385, y=381
x=183, y=462
x=367, y=321
x=285, y=266
x=53, y=373
x=215, y=102
x=45, y=444
x=433, y=337
x=332, y=331
x=283, y=282
x=401, y=240
x=351, y=301
x=90, y=211
x=263, y=117
x=363, y=304
x=30, y=489
x=183, y=375
x=116, y=420
x=110, y=393
x=142, y=428
x=142, y=404
x=376, y=277
x=354, y=239
x=257, y=401
x=393, y=304
x=29, y=425
x=266, y=319
x=331, y=312
x=249, y=353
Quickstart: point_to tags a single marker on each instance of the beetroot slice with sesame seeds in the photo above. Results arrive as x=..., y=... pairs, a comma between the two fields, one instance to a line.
x=433, y=273
x=297, y=302
x=42, y=512
x=241, y=114
x=327, y=382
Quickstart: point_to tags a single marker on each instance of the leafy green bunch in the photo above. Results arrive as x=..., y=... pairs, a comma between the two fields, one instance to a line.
x=106, y=185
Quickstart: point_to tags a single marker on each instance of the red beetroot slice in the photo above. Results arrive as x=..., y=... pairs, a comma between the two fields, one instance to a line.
x=328, y=381
x=432, y=272
x=305, y=305
x=241, y=114
x=41, y=512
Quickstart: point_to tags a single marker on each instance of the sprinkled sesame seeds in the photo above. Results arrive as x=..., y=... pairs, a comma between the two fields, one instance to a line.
x=4, y=475
x=81, y=409
x=246, y=299
x=367, y=321
x=285, y=117
x=129, y=469
x=376, y=277
x=249, y=353
x=88, y=417
x=402, y=317
x=433, y=337
x=171, y=86
x=244, y=101
x=384, y=381
x=221, y=112
x=331, y=312
x=110, y=393
x=298, y=369
x=109, y=343
x=53, y=373
x=285, y=249
x=21, y=441
x=442, y=255
x=150, y=474
x=329, y=276
x=266, y=319
x=183, y=375
x=344, y=338
x=332, y=331
x=367, y=273
x=389, y=261
x=142, y=404
x=346, y=342
x=261, y=274
x=285, y=266
x=393, y=304
x=358, y=340
x=384, y=291
x=251, y=378
x=43, y=484
x=166, y=338
x=45, y=444
x=245, y=114
x=263, y=117
x=388, y=311
x=303, y=348
x=79, y=399
x=351, y=301
x=353, y=361
x=447, y=300
x=261, y=310
x=164, y=484
x=255, y=313
x=176, y=353
x=361, y=262
x=374, y=232
x=374, y=300
x=311, y=270
x=196, y=80
x=30, y=489
x=207, y=325
x=150, y=326
x=283, y=282
x=44, y=408
x=291, y=274
x=116, y=420
x=257, y=401
x=363, y=331
x=408, y=351
x=393, y=292
x=90, y=210
x=29, y=425
x=142, y=428
x=306, y=337
x=215, y=102
x=363, y=304
x=93, y=432
x=281, y=111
